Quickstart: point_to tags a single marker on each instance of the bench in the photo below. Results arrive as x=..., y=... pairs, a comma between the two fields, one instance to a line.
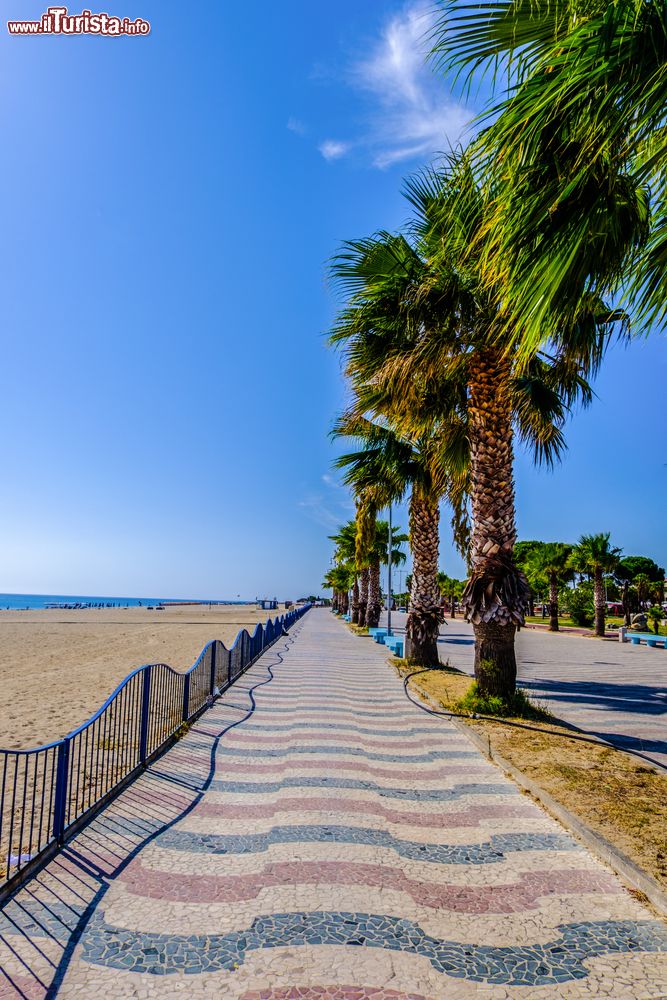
x=636, y=638
x=395, y=644
x=377, y=633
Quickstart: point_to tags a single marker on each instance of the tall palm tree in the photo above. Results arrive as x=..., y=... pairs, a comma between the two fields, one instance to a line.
x=595, y=555
x=451, y=589
x=338, y=579
x=396, y=465
x=345, y=539
x=574, y=140
x=554, y=561
x=364, y=541
x=380, y=557
x=446, y=331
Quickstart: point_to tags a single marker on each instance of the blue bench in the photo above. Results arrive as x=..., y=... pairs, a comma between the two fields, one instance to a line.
x=395, y=644
x=636, y=638
x=377, y=633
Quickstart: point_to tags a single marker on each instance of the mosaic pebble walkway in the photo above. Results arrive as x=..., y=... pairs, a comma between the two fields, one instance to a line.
x=337, y=845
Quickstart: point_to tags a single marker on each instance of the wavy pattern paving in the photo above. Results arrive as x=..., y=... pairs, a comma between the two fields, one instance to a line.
x=537, y=965
x=333, y=847
x=488, y=853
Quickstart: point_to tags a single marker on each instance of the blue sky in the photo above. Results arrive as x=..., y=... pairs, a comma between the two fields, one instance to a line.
x=167, y=208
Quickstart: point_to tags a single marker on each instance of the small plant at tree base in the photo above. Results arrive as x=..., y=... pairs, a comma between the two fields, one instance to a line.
x=517, y=706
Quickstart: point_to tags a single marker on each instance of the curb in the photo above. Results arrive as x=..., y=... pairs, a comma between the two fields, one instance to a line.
x=598, y=845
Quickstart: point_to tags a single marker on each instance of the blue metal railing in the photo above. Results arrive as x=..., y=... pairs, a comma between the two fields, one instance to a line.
x=46, y=793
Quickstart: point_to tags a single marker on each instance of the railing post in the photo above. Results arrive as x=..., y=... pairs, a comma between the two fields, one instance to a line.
x=214, y=649
x=60, y=798
x=186, y=698
x=145, y=713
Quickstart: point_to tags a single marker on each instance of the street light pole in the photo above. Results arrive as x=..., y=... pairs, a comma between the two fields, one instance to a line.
x=389, y=553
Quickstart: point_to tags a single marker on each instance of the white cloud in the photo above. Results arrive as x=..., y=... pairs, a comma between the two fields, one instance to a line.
x=332, y=149
x=316, y=508
x=295, y=125
x=330, y=507
x=409, y=113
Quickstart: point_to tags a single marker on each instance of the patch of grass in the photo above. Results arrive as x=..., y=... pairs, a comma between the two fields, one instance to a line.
x=517, y=706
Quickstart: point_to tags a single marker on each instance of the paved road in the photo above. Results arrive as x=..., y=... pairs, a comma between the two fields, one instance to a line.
x=338, y=845
x=616, y=691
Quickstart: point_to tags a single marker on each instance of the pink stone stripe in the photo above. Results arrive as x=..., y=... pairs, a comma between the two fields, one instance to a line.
x=510, y=898
x=331, y=993
x=444, y=820
x=238, y=737
x=27, y=987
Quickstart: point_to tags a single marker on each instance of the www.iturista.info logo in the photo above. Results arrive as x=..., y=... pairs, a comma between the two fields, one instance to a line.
x=58, y=21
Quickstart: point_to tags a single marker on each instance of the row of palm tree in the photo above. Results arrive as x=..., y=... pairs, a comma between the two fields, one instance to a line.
x=438, y=396
x=483, y=319
x=593, y=555
x=361, y=548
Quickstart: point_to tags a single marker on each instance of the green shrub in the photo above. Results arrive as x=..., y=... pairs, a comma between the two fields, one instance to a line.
x=517, y=706
x=580, y=604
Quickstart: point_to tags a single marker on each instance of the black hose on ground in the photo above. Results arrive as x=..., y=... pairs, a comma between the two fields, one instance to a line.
x=445, y=713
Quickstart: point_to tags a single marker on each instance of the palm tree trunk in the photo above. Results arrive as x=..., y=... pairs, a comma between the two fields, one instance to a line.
x=452, y=605
x=553, y=602
x=599, y=601
x=496, y=595
x=355, y=601
x=374, y=596
x=363, y=595
x=626, y=604
x=423, y=623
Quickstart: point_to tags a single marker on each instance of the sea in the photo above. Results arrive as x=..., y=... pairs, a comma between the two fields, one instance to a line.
x=15, y=602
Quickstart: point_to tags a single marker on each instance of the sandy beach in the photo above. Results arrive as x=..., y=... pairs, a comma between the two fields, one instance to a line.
x=57, y=667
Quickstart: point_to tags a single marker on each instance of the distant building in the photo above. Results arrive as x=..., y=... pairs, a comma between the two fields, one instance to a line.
x=267, y=604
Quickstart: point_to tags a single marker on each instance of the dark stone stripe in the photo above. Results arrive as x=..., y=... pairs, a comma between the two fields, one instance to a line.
x=486, y=853
x=348, y=751
x=324, y=781
x=560, y=960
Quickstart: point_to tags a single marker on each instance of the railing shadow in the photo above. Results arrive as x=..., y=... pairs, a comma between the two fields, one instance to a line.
x=45, y=793
x=43, y=921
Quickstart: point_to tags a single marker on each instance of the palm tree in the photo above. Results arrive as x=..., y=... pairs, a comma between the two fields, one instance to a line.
x=553, y=560
x=642, y=584
x=380, y=557
x=345, y=539
x=595, y=555
x=421, y=323
x=452, y=335
x=451, y=589
x=393, y=466
x=574, y=141
x=364, y=542
x=338, y=579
